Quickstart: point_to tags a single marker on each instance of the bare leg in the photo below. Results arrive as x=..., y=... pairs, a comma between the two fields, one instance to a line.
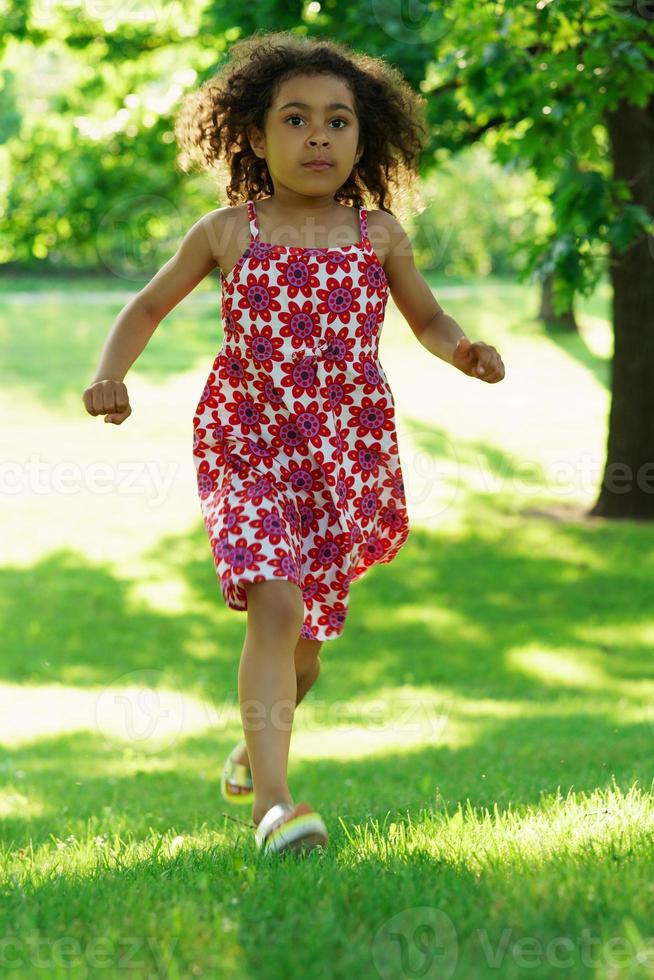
x=307, y=671
x=307, y=666
x=267, y=687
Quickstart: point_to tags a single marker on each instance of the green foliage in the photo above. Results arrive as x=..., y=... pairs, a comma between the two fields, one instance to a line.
x=535, y=81
x=96, y=145
x=90, y=91
x=479, y=741
x=9, y=114
x=475, y=211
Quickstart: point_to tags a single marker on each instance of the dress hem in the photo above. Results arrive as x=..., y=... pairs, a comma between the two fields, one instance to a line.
x=279, y=578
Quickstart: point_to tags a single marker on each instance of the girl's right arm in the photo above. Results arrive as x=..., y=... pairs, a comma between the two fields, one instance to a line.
x=137, y=321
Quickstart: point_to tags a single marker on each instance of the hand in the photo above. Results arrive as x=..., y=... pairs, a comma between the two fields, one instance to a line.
x=108, y=396
x=478, y=360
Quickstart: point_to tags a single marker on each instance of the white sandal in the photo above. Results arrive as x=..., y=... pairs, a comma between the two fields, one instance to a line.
x=239, y=775
x=290, y=827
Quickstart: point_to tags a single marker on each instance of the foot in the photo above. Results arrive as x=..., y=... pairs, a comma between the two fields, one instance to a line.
x=240, y=757
x=259, y=810
x=300, y=830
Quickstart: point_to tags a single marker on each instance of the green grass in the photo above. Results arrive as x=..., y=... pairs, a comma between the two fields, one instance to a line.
x=479, y=742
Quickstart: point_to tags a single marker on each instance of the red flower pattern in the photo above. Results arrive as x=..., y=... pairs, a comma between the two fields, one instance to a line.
x=294, y=438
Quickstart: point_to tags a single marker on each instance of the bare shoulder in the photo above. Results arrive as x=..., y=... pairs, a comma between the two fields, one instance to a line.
x=229, y=231
x=228, y=216
x=385, y=233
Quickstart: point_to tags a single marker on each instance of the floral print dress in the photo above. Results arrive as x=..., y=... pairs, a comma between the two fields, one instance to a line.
x=295, y=443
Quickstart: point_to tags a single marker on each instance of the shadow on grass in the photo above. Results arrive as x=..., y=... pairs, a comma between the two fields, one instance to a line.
x=53, y=344
x=529, y=636
x=573, y=344
x=515, y=306
x=214, y=909
x=78, y=782
x=504, y=620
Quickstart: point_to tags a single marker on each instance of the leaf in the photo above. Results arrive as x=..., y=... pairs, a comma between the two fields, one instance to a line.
x=633, y=221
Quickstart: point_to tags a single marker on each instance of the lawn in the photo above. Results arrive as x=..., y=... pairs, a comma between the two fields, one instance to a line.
x=479, y=742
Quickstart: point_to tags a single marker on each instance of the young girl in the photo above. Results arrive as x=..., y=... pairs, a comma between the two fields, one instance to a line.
x=295, y=444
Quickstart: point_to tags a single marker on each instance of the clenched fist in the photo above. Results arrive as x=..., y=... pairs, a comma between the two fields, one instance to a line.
x=111, y=397
x=478, y=360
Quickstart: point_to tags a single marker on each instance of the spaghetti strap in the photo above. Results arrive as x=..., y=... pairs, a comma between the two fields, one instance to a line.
x=252, y=215
x=363, y=224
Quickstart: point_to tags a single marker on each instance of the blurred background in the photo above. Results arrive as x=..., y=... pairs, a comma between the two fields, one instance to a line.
x=520, y=610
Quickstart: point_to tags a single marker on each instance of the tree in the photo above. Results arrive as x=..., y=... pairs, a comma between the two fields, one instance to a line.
x=562, y=88
x=567, y=89
x=630, y=447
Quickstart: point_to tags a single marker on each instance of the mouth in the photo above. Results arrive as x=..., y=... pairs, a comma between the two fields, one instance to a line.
x=317, y=166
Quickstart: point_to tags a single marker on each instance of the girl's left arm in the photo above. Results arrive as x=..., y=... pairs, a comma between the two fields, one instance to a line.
x=438, y=332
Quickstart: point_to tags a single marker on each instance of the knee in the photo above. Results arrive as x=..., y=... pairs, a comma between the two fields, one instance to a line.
x=275, y=606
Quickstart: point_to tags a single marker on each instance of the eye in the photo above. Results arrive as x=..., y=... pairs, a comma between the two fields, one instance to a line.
x=333, y=120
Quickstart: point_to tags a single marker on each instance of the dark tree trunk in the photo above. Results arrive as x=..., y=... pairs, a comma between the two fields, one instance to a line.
x=627, y=489
x=565, y=320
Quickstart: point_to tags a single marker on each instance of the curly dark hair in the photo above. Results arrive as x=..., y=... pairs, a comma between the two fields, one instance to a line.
x=212, y=123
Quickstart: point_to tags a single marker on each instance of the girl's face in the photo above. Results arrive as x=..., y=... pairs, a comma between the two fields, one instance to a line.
x=321, y=124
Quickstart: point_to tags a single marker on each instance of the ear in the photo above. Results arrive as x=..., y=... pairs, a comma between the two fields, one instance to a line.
x=256, y=141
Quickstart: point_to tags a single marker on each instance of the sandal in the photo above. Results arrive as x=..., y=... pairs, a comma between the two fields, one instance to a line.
x=290, y=827
x=236, y=774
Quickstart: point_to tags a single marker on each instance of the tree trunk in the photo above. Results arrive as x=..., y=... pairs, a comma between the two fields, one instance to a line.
x=566, y=320
x=627, y=489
